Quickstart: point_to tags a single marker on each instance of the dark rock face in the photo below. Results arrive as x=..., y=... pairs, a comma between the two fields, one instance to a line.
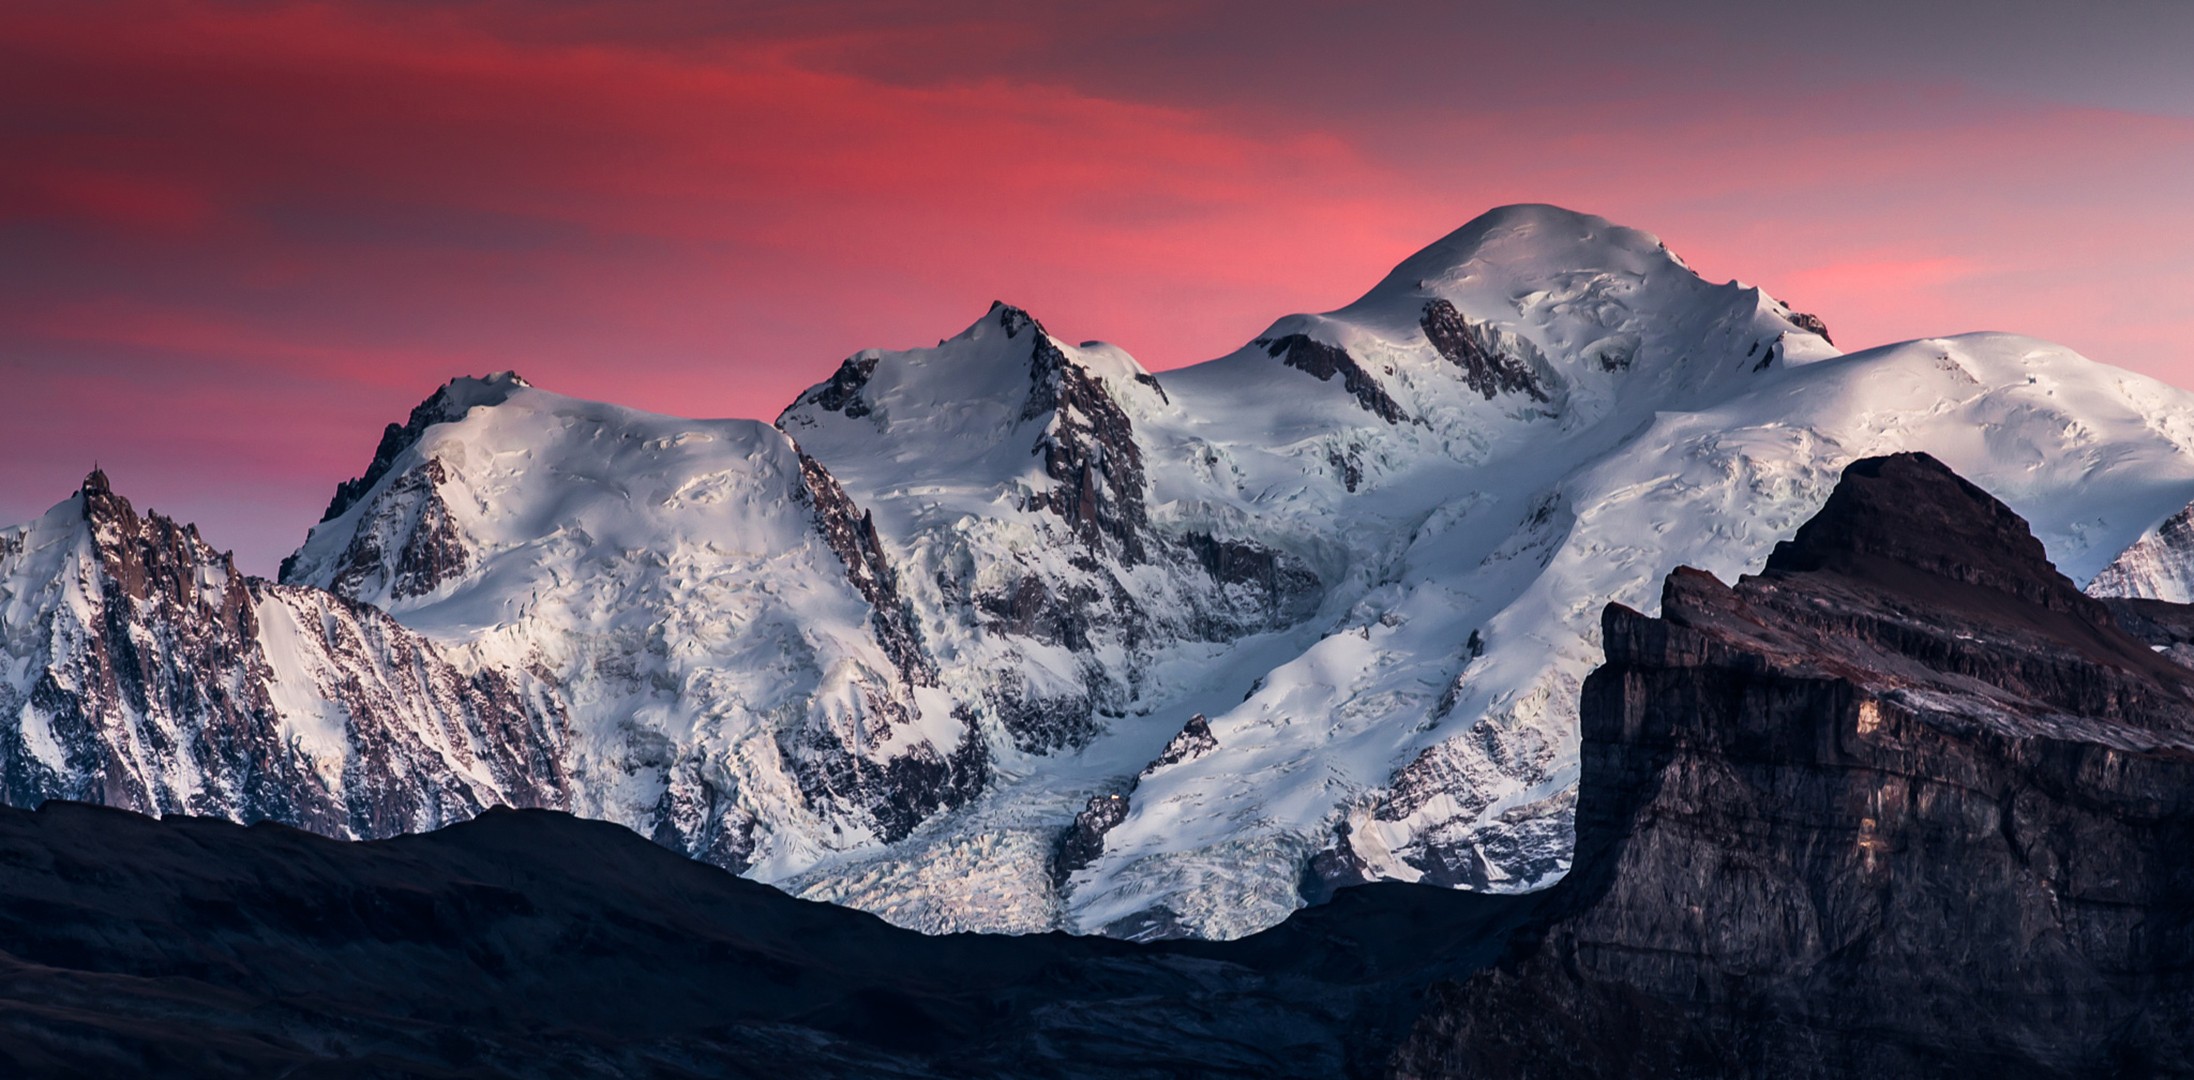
x=842, y=394
x=1089, y=447
x=1348, y=467
x=1305, y=353
x=891, y=795
x=412, y=516
x=1085, y=839
x=1194, y=741
x=1485, y=367
x=851, y=533
x=1811, y=324
x=1280, y=590
x=1044, y=723
x=1905, y=804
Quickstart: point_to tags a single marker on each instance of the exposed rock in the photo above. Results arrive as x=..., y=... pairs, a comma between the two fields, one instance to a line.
x=842, y=392
x=895, y=794
x=1281, y=589
x=1194, y=741
x=1486, y=367
x=406, y=545
x=1348, y=466
x=1089, y=447
x=1085, y=840
x=1904, y=804
x=851, y=533
x=1305, y=353
x=1811, y=324
x=451, y=402
x=1041, y=722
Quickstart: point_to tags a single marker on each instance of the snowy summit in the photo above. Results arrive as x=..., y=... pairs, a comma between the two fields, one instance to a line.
x=1011, y=634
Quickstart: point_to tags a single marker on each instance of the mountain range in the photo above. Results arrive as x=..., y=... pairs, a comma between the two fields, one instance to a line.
x=1904, y=802
x=1011, y=634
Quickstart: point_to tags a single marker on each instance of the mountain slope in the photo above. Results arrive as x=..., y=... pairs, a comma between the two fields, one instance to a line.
x=1367, y=549
x=743, y=678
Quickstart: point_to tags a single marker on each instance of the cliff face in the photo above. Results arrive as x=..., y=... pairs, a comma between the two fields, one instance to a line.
x=1905, y=803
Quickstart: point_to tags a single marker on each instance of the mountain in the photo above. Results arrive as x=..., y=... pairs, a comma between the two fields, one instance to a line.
x=143, y=671
x=742, y=676
x=1012, y=634
x=1905, y=803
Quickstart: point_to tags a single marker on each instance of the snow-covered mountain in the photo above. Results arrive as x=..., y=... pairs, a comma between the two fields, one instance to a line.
x=1011, y=634
x=143, y=671
x=743, y=677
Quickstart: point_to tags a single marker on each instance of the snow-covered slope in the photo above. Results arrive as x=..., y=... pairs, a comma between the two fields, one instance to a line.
x=742, y=675
x=1011, y=634
x=141, y=670
x=1541, y=412
x=1436, y=722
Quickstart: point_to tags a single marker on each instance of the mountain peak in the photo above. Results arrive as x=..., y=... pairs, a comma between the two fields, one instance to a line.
x=450, y=402
x=1911, y=510
x=1525, y=237
x=1013, y=319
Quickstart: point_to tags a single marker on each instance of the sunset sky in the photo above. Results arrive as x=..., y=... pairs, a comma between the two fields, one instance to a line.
x=237, y=238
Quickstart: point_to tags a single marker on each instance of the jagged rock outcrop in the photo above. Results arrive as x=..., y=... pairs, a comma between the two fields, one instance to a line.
x=1811, y=324
x=1088, y=446
x=1904, y=804
x=1305, y=353
x=1194, y=741
x=851, y=532
x=145, y=672
x=1085, y=840
x=1487, y=366
x=451, y=402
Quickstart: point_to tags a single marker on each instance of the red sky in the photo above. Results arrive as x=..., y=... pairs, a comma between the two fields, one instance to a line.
x=237, y=238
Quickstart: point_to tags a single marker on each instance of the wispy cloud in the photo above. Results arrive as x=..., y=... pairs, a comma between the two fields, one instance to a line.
x=325, y=209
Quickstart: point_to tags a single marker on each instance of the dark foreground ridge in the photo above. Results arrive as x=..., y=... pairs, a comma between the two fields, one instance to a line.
x=1905, y=804
x=532, y=943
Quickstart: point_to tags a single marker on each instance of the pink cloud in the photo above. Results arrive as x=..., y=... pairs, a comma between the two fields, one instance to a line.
x=324, y=210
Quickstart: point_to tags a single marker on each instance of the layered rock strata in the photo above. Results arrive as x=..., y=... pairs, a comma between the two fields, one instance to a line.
x=1906, y=803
